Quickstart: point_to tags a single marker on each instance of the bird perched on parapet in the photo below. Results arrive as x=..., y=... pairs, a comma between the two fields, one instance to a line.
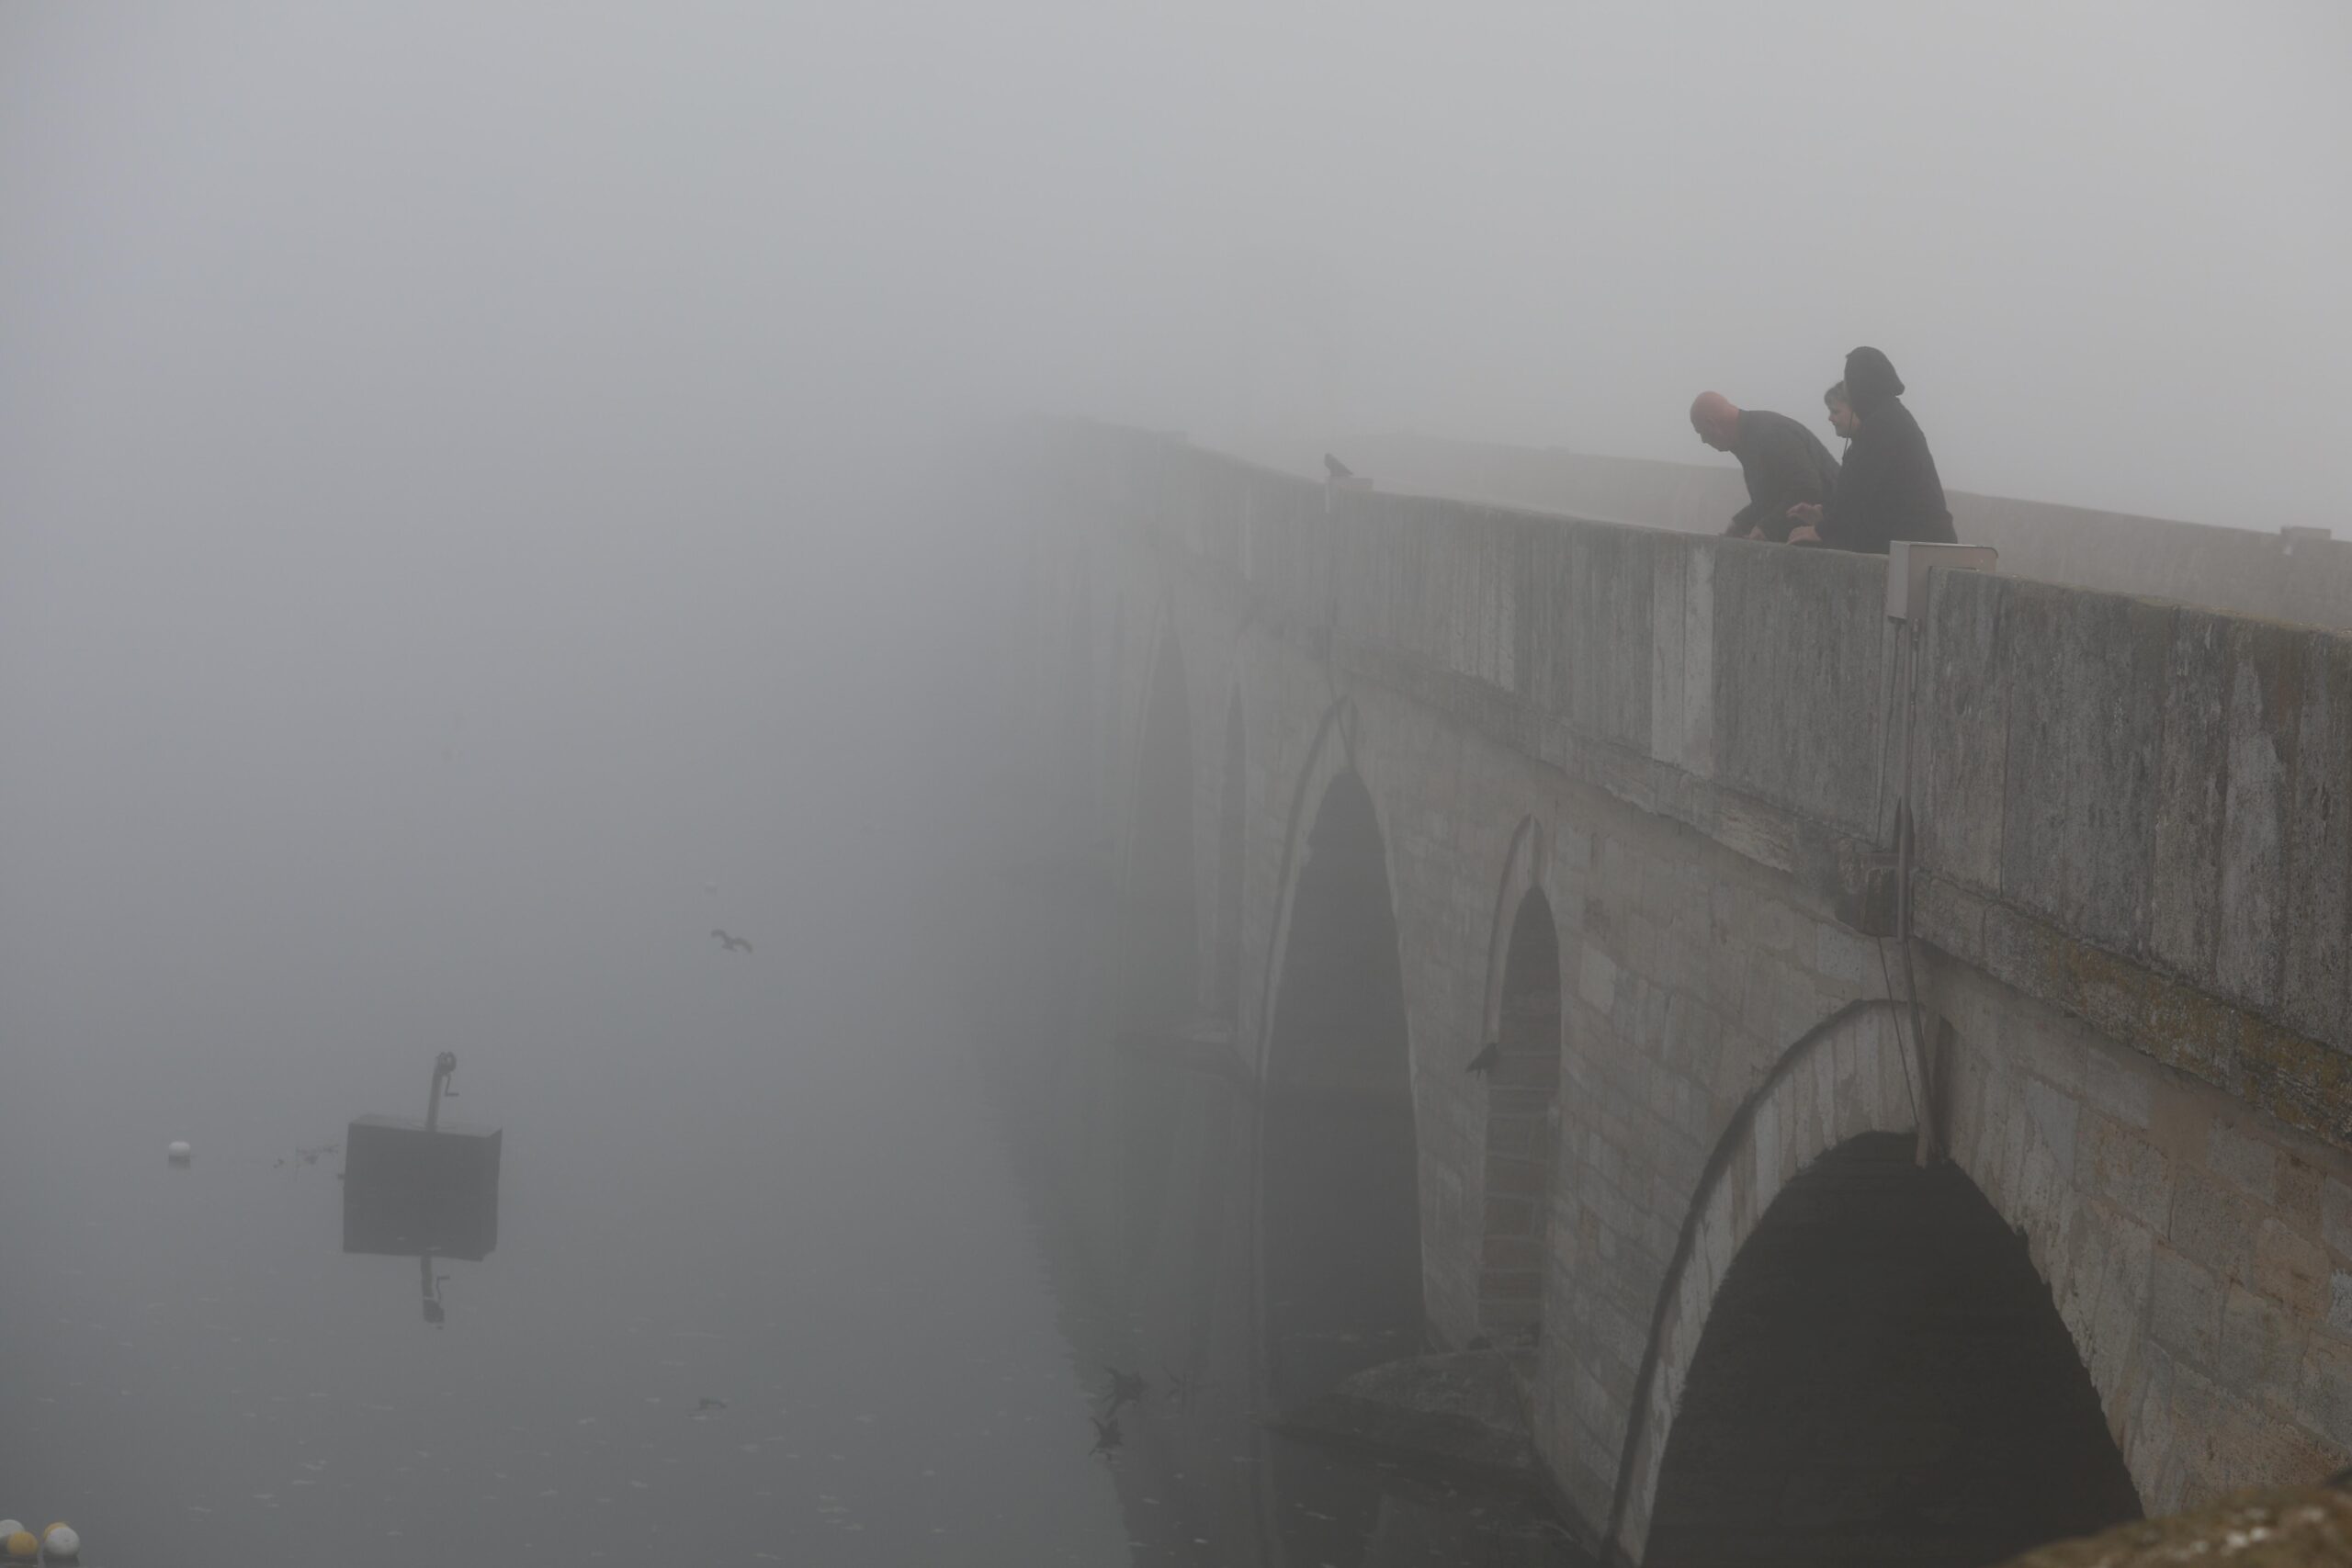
x=731, y=944
x=1336, y=468
x=1484, y=1062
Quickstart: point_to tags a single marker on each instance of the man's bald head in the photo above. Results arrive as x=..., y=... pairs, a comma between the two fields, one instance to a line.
x=1716, y=420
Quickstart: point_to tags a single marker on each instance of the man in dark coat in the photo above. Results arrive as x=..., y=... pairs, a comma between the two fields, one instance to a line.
x=1784, y=464
x=1888, y=488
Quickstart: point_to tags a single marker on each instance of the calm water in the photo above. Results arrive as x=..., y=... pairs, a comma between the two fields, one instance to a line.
x=194, y=1374
x=841, y=1244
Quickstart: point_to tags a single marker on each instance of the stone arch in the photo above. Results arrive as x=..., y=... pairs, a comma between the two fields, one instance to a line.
x=1330, y=753
x=1338, y=1158
x=1160, y=967
x=1232, y=822
x=1109, y=696
x=1836, y=1113
x=1523, y=1093
x=1081, y=703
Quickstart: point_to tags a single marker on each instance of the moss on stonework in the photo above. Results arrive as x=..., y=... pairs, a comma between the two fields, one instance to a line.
x=2252, y=1530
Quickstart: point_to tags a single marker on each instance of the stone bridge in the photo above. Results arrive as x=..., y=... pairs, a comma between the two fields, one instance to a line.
x=1917, y=1105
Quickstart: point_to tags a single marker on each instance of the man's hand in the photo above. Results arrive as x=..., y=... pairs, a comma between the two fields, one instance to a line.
x=1808, y=534
x=1806, y=511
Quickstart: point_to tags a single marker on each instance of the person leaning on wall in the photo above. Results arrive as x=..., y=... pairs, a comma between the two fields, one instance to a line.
x=1887, y=489
x=1784, y=464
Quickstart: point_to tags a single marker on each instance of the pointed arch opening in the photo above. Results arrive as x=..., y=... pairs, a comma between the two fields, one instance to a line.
x=1522, y=1125
x=1884, y=1377
x=1233, y=816
x=1339, y=1161
x=1162, y=968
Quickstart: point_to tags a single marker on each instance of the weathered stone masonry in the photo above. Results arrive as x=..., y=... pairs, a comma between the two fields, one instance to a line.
x=2133, y=902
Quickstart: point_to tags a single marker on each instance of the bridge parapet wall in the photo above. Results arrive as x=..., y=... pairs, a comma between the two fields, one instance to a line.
x=2137, y=811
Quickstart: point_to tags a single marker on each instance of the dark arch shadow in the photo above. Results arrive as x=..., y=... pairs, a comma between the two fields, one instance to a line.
x=1338, y=1165
x=1159, y=947
x=1233, y=808
x=1161, y=968
x=1522, y=1127
x=1884, y=1377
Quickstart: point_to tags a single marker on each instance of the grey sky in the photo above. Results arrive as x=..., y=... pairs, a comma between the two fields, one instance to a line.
x=2102, y=242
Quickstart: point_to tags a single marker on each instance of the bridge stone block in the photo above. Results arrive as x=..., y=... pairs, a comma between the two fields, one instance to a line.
x=1798, y=701
x=2323, y=1392
x=1964, y=725
x=2291, y=1269
x=2121, y=1089
x=2261, y=1351
x=2250, y=960
x=2122, y=1303
x=2184, y=913
x=2318, y=914
x=2055, y=1116
x=2248, y=1162
x=2336, y=1211
x=2152, y=1433
x=2214, y=1223
x=2081, y=773
x=2043, y=1185
x=2185, y=1307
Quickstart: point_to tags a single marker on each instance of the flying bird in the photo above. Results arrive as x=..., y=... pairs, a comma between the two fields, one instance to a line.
x=1336, y=468
x=1484, y=1062
x=730, y=943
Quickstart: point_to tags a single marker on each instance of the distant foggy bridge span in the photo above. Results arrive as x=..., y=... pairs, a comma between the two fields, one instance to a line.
x=1380, y=780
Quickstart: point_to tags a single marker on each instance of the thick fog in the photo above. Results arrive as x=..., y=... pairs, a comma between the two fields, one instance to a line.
x=478, y=484
x=2100, y=240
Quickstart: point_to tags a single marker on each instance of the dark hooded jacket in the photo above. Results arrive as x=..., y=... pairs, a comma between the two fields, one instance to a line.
x=1887, y=488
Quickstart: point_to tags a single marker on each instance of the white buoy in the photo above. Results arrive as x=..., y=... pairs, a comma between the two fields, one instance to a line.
x=179, y=1153
x=8, y=1528
x=62, y=1544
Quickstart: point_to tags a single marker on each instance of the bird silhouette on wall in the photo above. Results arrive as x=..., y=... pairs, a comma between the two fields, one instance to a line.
x=1336, y=468
x=1484, y=1062
x=730, y=943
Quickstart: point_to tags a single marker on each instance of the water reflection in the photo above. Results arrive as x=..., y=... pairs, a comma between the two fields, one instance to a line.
x=429, y=1283
x=690, y=1346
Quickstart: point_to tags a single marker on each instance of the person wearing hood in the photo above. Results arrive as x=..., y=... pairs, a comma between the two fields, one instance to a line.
x=1887, y=488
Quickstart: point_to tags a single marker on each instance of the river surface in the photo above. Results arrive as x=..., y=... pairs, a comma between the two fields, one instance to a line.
x=195, y=1372
x=832, y=1246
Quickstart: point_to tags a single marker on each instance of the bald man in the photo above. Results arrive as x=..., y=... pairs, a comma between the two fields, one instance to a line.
x=1784, y=464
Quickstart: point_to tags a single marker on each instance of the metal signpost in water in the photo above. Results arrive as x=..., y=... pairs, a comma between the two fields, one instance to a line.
x=418, y=1189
